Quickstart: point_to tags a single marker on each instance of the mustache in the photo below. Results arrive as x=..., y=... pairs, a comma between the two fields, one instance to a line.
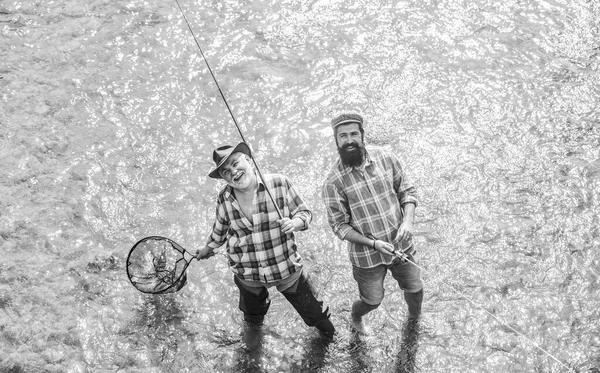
x=346, y=146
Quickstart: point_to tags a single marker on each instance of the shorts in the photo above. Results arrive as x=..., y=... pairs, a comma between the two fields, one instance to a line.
x=370, y=280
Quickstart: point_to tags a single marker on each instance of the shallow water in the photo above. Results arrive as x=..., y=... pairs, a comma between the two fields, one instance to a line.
x=108, y=118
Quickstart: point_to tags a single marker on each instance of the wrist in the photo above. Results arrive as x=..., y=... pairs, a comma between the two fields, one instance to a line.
x=408, y=221
x=373, y=245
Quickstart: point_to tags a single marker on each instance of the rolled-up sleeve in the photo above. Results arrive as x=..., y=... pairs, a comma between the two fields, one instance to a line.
x=405, y=191
x=296, y=205
x=338, y=212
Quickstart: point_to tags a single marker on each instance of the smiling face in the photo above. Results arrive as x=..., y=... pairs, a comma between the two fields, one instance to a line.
x=238, y=172
x=349, y=139
x=348, y=136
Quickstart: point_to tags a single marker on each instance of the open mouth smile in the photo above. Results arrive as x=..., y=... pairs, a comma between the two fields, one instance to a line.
x=238, y=176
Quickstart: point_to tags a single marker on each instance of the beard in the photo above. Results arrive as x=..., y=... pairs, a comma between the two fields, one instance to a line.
x=352, y=158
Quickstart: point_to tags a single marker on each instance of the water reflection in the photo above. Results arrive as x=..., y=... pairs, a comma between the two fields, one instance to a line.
x=365, y=352
x=161, y=319
x=406, y=357
x=359, y=355
x=493, y=105
x=317, y=348
x=249, y=355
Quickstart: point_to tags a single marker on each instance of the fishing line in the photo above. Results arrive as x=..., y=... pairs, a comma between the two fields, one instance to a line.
x=402, y=256
x=228, y=108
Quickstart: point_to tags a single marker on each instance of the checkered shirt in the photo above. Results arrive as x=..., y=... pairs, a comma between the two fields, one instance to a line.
x=369, y=200
x=258, y=250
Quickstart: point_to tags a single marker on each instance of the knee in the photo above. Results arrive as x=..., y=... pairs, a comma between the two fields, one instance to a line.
x=414, y=294
x=372, y=301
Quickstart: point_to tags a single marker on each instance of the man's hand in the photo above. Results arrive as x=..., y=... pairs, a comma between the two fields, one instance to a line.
x=384, y=247
x=388, y=248
x=405, y=232
x=291, y=225
x=204, y=253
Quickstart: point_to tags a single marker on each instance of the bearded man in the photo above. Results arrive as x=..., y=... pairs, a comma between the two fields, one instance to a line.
x=371, y=204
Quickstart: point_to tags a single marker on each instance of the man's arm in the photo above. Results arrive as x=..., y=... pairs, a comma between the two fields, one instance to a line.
x=404, y=189
x=379, y=245
x=406, y=228
x=407, y=197
x=300, y=215
x=218, y=234
x=338, y=211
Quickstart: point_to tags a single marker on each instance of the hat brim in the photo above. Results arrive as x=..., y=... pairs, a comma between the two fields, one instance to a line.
x=239, y=148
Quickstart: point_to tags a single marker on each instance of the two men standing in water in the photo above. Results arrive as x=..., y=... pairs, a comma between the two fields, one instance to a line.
x=369, y=203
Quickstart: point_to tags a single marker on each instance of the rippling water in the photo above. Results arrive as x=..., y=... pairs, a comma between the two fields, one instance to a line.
x=108, y=118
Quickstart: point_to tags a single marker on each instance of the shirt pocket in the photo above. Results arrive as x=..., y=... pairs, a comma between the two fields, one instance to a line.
x=382, y=182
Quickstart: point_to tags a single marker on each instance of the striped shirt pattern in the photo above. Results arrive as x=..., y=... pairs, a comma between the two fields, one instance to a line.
x=369, y=200
x=256, y=248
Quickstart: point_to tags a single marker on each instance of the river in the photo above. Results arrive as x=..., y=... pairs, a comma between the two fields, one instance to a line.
x=108, y=119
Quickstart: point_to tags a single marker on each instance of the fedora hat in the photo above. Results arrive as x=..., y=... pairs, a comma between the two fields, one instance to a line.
x=222, y=154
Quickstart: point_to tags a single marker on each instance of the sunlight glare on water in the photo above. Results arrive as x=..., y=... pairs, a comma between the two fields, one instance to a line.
x=109, y=116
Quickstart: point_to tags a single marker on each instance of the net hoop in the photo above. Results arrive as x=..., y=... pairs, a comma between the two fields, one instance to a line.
x=174, y=284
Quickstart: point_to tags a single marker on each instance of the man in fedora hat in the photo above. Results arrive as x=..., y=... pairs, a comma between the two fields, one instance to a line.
x=261, y=247
x=370, y=203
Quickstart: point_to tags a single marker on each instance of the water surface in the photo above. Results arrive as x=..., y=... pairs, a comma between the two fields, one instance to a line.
x=108, y=117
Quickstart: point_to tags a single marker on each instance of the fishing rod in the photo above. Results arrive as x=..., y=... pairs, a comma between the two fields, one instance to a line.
x=229, y=109
x=402, y=256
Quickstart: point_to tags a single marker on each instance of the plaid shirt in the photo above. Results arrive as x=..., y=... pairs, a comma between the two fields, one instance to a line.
x=257, y=249
x=369, y=200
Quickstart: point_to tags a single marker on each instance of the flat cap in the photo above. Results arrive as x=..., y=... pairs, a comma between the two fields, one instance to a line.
x=346, y=118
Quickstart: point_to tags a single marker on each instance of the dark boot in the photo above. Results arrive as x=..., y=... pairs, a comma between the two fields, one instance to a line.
x=303, y=299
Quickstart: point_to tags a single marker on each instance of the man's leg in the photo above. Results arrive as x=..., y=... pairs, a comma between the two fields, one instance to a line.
x=370, y=287
x=414, y=302
x=359, y=309
x=409, y=279
x=302, y=297
x=254, y=303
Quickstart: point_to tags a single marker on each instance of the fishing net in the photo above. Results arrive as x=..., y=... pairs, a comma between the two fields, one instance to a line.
x=157, y=265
